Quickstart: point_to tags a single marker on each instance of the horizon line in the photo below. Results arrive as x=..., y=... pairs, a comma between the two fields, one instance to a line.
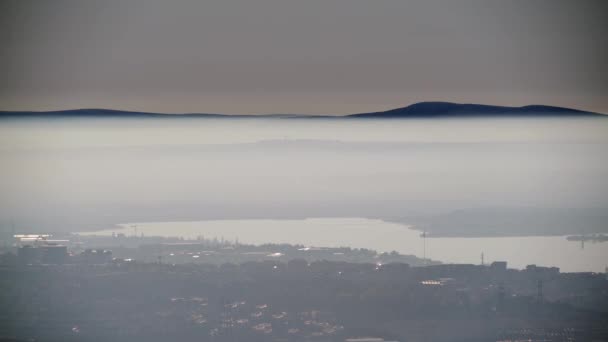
x=378, y=112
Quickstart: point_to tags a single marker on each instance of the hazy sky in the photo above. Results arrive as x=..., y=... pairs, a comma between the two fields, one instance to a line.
x=309, y=56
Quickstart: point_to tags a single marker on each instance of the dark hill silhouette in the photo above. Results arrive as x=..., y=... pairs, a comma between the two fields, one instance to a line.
x=418, y=110
x=449, y=109
x=102, y=113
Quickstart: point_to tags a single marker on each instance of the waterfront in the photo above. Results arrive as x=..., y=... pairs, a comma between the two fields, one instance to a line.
x=383, y=236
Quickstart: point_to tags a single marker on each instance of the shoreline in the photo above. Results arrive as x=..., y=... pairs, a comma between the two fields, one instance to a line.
x=573, y=237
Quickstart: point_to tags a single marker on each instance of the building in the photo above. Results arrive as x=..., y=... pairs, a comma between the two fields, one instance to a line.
x=96, y=256
x=498, y=266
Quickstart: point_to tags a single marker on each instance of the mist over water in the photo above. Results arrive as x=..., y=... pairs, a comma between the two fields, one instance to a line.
x=83, y=174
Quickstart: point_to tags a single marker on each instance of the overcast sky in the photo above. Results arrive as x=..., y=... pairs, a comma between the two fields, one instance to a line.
x=308, y=56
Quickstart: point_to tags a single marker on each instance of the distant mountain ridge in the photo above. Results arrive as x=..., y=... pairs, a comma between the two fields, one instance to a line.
x=101, y=112
x=449, y=109
x=417, y=110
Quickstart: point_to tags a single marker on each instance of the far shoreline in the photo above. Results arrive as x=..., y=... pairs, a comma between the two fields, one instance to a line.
x=124, y=227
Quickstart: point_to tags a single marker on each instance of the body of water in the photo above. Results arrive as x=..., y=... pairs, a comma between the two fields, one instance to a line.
x=84, y=174
x=385, y=237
